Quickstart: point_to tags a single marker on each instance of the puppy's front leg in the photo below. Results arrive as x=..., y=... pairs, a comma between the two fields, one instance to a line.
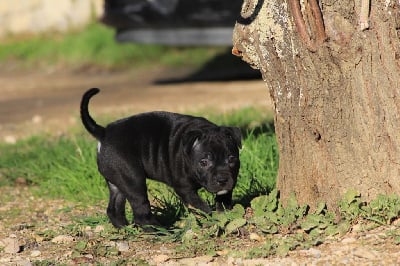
x=191, y=198
x=224, y=202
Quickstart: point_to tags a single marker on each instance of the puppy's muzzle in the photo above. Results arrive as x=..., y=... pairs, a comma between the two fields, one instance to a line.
x=222, y=180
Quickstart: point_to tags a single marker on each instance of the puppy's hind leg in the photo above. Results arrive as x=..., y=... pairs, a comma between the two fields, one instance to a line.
x=136, y=193
x=141, y=211
x=116, y=206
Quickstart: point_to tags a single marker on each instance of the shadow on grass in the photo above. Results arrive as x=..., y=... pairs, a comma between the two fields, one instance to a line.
x=223, y=67
x=245, y=199
x=61, y=164
x=168, y=208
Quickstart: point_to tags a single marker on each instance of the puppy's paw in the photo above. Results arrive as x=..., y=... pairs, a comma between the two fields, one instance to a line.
x=149, y=228
x=202, y=207
x=118, y=222
x=220, y=206
x=148, y=221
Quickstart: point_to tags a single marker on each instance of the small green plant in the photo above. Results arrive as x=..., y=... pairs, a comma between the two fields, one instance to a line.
x=48, y=234
x=384, y=209
x=66, y=167
x=267, y=219
x=277, y=229
x=44, y=263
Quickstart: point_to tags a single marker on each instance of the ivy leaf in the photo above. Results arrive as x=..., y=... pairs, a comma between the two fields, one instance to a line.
x=265, y=225
x=283, y=249
x=292, y=202
x=312, y=221
x=351, y=195
x=258, y=205
x=332, y=230
x=266, y=203
x=220, y=218
x=237, y=211
x=320, y=208
x=272, y=216
x=188, y=236
x=234, y=225
x=273, y=200
x=81, y=246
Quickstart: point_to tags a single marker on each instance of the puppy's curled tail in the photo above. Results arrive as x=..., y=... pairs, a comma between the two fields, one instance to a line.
x=96, y=130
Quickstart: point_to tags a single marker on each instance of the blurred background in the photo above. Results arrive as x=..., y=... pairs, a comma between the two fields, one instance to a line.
x=144, y=54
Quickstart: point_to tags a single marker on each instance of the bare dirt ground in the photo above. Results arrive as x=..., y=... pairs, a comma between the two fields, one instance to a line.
x=38, y=231
x=35, y=102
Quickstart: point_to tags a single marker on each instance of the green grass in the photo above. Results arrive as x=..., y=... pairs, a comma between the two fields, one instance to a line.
x=58, y=167
x=95, y=45
x=66, y=166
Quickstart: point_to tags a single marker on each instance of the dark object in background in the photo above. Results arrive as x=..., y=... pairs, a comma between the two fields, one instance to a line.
x=173, y=22
x=223, y=67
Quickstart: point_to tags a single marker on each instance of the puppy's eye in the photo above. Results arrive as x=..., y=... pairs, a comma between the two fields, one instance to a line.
x=204, y=162
x=231, y=159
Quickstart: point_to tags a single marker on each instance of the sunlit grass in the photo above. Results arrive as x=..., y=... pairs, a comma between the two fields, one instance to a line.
x=66, y=166
x=95, y=45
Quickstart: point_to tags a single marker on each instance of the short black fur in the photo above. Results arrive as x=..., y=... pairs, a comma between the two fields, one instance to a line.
x=182, y=151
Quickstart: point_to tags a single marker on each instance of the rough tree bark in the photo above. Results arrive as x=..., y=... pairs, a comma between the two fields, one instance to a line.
x=333, y=71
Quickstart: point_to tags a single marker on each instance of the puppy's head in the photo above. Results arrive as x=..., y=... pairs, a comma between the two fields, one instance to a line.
x=213, y=157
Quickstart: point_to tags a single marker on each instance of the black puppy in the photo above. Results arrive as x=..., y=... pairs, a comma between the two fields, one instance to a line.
x=184, y=152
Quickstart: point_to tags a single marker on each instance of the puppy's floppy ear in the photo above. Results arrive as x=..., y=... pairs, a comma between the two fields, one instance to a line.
x=235, y=134
x=189, y=139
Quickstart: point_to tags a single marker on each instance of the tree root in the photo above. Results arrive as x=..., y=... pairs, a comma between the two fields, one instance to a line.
x=320, y=35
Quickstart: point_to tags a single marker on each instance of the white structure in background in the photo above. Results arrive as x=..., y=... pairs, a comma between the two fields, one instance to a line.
x=39, y=16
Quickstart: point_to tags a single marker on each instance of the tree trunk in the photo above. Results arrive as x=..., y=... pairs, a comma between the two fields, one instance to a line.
x=332, y=69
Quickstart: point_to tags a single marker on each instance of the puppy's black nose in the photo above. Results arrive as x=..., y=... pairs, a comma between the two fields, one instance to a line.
x=222, y=180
